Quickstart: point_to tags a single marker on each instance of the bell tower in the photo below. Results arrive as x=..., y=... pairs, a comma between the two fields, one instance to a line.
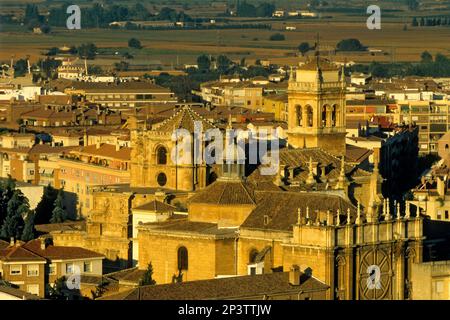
x=316, y=107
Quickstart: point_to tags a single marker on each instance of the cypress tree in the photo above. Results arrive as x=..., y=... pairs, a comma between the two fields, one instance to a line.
x=17, y=208
x=59, y=214
x=28, y=230
x=147, y=277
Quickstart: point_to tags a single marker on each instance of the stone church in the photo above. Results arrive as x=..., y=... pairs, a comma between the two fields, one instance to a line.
x=318, y=212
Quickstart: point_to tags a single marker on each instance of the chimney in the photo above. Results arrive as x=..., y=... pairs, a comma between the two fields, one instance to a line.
x=294, y=275
x=43, y=244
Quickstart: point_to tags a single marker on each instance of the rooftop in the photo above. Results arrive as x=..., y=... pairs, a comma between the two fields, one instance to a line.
x=223, y=288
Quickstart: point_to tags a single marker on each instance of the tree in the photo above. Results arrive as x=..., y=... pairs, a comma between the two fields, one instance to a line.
x=426, y=57
x=134, y=43
x=45, y=207
x=59, y=214
x=17, y=208
x=413, y=5
x=56, y=292
x=304, y=48
x=28, y=230
x=350, y=45
x=87, y=50
x=121, y=66
x=203, y=62
x=277, y=37
x=147, y=276
x=20, y=67
x=223, y=63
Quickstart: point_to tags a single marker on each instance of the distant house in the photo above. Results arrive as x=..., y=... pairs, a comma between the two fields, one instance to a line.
x=37, y=264
x=290, y=28
x=278, y=13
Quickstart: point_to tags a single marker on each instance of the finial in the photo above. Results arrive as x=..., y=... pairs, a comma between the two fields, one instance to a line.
x=299, y=216
x=329, y=218
x=388, y=211
x=308, y=221
x=291, y=74
x=358, y=214
x=310, y=178
x=398, y=211
x=348, y=216
x=338, y=221
x=407, y=210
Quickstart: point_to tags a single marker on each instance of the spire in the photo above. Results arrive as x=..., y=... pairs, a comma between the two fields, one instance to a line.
x=342, y=180
x=387, y=217
x=358, y=214
x=310, y=179
x=399, y=217
x=407, y=210
x=299, y=216
x=291, y=75
x=308, y=221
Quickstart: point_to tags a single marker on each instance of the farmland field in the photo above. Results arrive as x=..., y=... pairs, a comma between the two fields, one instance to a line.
x=183, y=46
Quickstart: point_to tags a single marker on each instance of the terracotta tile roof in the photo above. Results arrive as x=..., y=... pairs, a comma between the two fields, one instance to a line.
x=184, y=118
x=64, y=226
x=3, y=244
x=186, y=226
x=19, y=253
x=105, y=151
x=17, y=293
x=356, y=154
x=56, y=99
x=226, y=192
x=299, y=160
x=134, y=86
x=281, y=208
x=156, y=206
x=59, y=252
x=223, y=288
x=132, y=275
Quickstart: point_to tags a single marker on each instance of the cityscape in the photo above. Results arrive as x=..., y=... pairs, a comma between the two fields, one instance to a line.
x=224, y=150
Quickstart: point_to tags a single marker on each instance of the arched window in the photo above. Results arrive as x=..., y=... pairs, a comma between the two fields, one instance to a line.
x=161, y=179
x=161, y=155
x=324, y=116
x=309, y=116
x=334, y=115
x=298, y=115
x=252, y=256
x=182, y=258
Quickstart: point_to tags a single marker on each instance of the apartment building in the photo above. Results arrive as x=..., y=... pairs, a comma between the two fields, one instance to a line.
x=37, y=264
x=248, y=94
x=276, y=104
x=121, y=95
x=93, y=165
x=432, y=118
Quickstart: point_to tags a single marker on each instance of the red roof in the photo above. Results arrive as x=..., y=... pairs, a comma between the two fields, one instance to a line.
x=59, y=252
